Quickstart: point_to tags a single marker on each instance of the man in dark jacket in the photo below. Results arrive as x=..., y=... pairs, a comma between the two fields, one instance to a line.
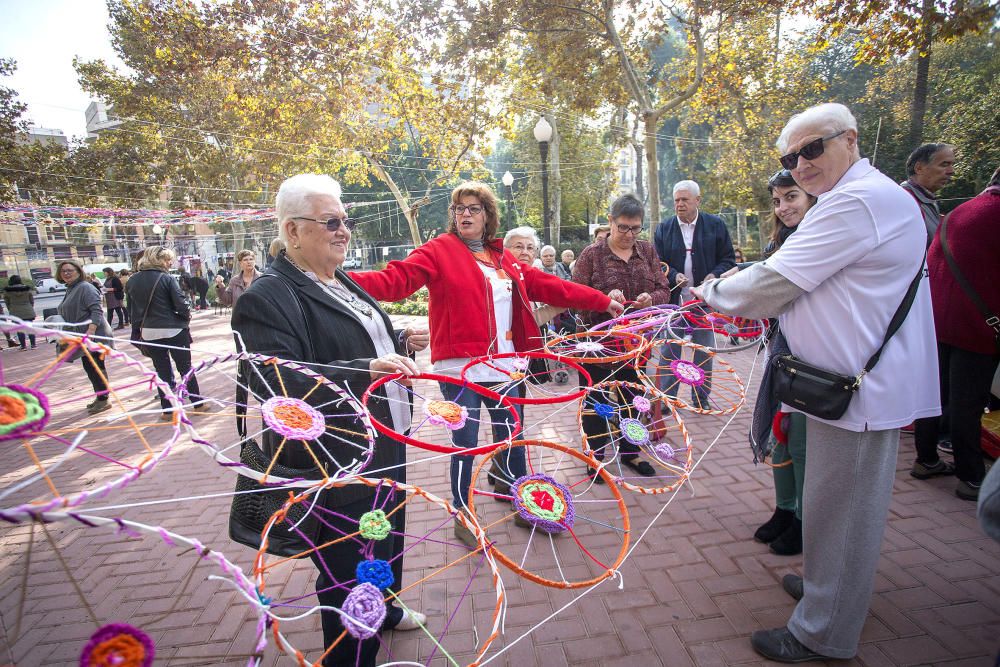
x=696, y=247
x=928, y=169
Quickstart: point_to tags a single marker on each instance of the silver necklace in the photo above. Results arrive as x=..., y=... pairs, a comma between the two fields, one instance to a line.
x=336, y=289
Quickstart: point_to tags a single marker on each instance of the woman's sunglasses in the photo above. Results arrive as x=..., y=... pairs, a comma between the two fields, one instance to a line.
x=810, y=151
x=333, y=224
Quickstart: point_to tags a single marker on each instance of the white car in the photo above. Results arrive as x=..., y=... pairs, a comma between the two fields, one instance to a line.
x=49, y=285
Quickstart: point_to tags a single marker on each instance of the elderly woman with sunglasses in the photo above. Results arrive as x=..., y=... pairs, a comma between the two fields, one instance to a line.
x=304, y=308
x=480, y=304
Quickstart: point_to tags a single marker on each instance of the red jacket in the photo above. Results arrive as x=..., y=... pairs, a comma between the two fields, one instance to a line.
x=461, y=305
x=974, y=241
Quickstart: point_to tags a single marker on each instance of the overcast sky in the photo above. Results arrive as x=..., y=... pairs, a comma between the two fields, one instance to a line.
x=44, y=36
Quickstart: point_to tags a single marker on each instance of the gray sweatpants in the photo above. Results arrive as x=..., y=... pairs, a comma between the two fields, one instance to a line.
x=845, y=502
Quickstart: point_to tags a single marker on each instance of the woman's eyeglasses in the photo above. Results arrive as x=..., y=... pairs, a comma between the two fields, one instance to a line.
x=458, y=209
x=333, y=224
x=627, y=229
x=810, y=151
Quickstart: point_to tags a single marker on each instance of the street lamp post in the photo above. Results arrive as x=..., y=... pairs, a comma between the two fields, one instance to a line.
x=508, y=180
x=543, y=135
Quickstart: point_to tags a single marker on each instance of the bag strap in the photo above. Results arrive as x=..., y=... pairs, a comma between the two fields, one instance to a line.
x=897, y=319
x=150, y=300
x=242, y=395
x=992, y=321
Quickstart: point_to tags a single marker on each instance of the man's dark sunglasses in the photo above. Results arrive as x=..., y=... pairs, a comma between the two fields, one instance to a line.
x=333, y=224
x=810, y=151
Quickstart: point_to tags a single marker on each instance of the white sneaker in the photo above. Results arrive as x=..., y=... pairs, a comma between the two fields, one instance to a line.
x=412, y=620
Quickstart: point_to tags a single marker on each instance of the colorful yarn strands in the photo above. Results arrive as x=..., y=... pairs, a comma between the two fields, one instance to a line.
x=23, y=411
x=578, y=529
x=118, y=645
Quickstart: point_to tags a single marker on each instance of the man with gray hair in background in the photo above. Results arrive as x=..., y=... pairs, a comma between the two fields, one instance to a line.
x=696, y=247
x=835, y=285
x=928, y=169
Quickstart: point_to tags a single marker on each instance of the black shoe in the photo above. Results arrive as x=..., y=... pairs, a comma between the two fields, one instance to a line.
x=592, y=473
x=781, y=646
x=641, y=467
x=789, y=543
x=967, y=490
x=775, y=526
x=792, y=583
x=494, y=473
x=923, y=471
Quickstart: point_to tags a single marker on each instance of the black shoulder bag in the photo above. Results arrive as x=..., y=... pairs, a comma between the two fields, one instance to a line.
x=991, y=318
x=823, y=393
x=253, y=502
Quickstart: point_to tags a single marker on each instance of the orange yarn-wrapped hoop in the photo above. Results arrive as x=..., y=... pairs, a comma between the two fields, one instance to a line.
x=635, y=414
x=688, y=380
x=598, y=347
x=434, y=553
x=596, y=510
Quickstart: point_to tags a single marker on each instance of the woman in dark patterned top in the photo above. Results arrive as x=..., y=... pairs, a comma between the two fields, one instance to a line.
x=624, y=268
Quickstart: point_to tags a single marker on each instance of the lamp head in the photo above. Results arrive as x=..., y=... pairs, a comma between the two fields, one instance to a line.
x=543, y=131
x=508, y=179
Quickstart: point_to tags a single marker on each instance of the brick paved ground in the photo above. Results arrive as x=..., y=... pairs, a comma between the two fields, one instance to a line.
x=694, y=588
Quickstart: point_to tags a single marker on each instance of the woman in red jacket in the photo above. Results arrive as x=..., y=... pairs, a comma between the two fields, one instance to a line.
x=480, y=304
x=968, y=347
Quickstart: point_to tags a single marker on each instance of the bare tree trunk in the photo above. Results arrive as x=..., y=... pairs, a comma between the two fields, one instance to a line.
x=555, y=180
x=919, y=105
x=652, y=168
x=640, y=187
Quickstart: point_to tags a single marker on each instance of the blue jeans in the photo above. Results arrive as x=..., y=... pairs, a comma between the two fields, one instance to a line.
x=512, y=461
x=671, y=351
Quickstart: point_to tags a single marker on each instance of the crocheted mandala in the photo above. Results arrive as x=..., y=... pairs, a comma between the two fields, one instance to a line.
x=118, y=645
x=543, y=502
x=363, y=611
x=687, y=372
x=293, y=418
x=23, y=411
x=446, y=413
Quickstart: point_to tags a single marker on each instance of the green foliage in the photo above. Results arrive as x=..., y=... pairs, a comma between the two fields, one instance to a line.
x=415, y=304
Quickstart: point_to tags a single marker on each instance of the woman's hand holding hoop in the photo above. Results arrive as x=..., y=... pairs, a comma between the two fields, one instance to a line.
x=392, y=363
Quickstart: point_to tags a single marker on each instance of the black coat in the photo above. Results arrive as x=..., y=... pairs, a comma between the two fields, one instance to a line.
x=286, y=315
x=711, y=250
x=167, y=308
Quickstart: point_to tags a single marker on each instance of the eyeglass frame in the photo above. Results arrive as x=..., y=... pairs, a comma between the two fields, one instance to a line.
x=628, y=229
x=350, y=223
x=454, y=208
x=791, y=160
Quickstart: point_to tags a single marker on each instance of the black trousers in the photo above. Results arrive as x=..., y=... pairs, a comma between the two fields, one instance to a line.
x=181, y=354
x=597, y=428
x=965, y=388
x=95, y=369
x=122, y=321
x=337, y=565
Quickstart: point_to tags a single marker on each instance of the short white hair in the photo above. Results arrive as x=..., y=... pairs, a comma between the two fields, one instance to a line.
x=690, y=186
x=524, y=232
x=294, y=194
x=828, y=118
x=545, y=249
